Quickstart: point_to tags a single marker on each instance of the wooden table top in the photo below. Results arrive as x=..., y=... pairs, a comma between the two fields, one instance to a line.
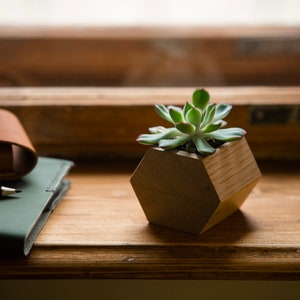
x=99, y=231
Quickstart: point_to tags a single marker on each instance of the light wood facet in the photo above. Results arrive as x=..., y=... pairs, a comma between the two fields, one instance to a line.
x=190, y=192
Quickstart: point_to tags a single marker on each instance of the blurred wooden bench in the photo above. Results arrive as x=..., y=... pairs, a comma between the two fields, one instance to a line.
x=149, y=56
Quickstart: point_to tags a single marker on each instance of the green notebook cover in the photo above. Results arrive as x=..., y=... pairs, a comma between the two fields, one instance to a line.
x=23, y=215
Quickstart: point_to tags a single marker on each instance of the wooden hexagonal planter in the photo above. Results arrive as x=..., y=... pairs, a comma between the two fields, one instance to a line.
x=189, y=192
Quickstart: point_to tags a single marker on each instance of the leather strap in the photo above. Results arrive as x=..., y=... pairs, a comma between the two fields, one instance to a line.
x=17, y=155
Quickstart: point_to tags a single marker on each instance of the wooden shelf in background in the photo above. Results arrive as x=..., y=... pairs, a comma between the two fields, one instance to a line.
x=84, y=123
x=149, y=56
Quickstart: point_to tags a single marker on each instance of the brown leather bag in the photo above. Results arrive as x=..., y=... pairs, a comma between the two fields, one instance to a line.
x=17, y=155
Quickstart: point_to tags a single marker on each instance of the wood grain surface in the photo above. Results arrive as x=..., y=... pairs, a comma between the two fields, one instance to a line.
x=88, y=123
x=99, y=231
x=149, y=56
x=189, y=192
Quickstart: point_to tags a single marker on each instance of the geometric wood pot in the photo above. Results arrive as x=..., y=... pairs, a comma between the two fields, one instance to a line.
x=190, y=192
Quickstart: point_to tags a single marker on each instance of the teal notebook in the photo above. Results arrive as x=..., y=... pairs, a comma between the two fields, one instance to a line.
x=24, y=214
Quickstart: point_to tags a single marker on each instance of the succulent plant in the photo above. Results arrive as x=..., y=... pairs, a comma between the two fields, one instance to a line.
x=198, y=125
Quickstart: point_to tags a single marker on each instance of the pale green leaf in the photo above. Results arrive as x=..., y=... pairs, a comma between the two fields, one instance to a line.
x=173, y=143
x=157, y=129
x=223, y=123
x=186, y=127
x=154, y=138
x=222, y=110
x=163, y=112
x=203, y=147
x=176, y=114
x=209, y=114
x=194, y=116
x=227, y=134
x=200, y=98
x=212, y=127
x=186, y=108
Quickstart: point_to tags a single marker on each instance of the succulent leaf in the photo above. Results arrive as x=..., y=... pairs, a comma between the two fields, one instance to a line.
x=157, y=129
x=194, y=116
x=149, y=139
x=187, y=128
x=200, y=98
x=209, y=114
x=186, y=108
x=203, y=146
x=227, y=134
x=212, y=127
x=222, y=110
x=173, y=143
x=154, y=138
x=163, y=112
x=223, y=123
x=176, y=114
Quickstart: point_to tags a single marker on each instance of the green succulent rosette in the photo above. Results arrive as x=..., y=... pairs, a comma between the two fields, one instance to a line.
x=198, y=125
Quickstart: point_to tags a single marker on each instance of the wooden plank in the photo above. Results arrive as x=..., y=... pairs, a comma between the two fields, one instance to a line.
x=141, y=32
x=100, y=231
x=149, y=56
x=84, y=123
